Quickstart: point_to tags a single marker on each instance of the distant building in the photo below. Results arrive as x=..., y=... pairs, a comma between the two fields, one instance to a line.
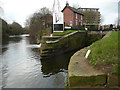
x=119, y=13
x=91, y=15
x=72, y=17
x=46, y=21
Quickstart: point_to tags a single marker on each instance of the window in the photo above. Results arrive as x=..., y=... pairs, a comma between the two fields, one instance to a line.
x=76, y=21
x=76, y=18
x=81, y=17
x=87, y=9
x=79, y=23
x=70, y=23
x=43, y=22
x=76, y=15
x=84, y=10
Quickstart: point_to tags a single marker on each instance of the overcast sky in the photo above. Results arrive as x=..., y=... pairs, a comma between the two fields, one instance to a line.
x=20, y=10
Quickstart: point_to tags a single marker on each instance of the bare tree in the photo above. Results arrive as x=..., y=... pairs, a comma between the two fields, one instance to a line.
x=35, y=22
x=101, y=19
x=44, y=11
x=76, y=5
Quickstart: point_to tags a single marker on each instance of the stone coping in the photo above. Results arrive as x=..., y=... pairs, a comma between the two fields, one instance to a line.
x=79, y=65
x=55, y=41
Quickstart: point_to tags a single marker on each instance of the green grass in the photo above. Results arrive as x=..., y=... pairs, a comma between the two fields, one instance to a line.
x=65, y=32
x=47, y=31
x=105, y=51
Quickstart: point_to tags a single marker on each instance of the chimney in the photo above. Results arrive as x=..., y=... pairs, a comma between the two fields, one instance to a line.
x=67, y=4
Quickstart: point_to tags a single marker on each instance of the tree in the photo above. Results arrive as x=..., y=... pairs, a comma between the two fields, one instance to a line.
x=35, y=23
x=27, y=22
x=76, y=5
x=90, y=16
x=15, y=29
x=101, y=19
x=45, y=11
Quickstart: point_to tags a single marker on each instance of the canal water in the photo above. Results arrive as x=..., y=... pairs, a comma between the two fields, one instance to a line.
x=23, y=68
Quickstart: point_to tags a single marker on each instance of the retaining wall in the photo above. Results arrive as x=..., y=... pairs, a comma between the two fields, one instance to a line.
x=52, y=46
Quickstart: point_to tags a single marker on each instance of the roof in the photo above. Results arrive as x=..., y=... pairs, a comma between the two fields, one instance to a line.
x=89, y=8
x=73, y=9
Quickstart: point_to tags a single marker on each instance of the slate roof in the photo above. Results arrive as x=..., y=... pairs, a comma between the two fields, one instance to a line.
x=73, y=9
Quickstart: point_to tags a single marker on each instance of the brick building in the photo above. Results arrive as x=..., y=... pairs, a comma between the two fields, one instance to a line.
x=72, y=17
x=91, y=17
x=46, y=21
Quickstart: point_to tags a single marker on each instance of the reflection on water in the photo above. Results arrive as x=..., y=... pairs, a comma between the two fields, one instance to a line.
x=4, y=49
x=15, y=39
x=11, y=39
x=22, y=67
x=56, y=64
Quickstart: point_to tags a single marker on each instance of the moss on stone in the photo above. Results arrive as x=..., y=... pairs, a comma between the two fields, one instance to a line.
x=66, y=43
x=87, y=80
x=113, y=80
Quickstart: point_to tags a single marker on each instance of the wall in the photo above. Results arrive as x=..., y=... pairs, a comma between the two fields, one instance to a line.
x=52, y=46
x=78, y=20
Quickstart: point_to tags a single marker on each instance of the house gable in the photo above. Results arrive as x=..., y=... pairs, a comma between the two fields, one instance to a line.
x=68, y=16
x=72, y=9
x=72, y=17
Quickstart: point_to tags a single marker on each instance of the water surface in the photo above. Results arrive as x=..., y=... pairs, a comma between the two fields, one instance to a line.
x=23, y=68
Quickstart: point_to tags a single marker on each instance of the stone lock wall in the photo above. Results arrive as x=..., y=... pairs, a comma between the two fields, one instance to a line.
x=52, y=46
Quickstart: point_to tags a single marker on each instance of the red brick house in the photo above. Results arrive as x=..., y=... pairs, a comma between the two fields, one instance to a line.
x=72, y=17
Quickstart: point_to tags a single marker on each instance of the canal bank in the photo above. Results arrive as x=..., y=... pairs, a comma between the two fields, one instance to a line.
x=81, y=74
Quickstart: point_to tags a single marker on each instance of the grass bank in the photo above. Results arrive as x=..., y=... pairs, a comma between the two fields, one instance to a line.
x=104, y=53
x=65, y=32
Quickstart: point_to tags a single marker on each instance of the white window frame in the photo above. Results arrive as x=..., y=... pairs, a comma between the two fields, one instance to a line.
x=81, y=17
x=76, y=22
x=76, y=16
x=71, y=23
x=81, y=20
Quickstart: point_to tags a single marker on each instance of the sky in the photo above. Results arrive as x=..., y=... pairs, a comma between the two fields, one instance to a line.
x=20, y=10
